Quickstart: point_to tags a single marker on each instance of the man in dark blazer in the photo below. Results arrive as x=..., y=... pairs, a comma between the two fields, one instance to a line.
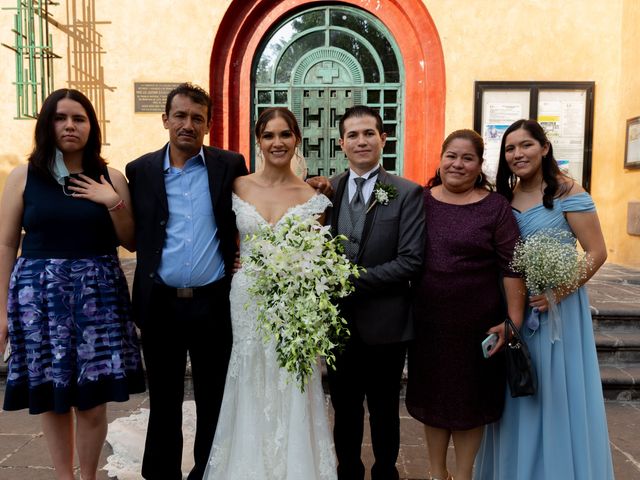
x=382, y=215
x=186, y=244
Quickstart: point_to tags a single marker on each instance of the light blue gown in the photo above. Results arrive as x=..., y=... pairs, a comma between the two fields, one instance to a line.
x=561, y=431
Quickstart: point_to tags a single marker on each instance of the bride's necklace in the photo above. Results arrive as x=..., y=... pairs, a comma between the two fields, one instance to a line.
x=272, y=184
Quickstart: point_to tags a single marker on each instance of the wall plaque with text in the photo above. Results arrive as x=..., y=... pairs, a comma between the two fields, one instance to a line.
x=151, y=97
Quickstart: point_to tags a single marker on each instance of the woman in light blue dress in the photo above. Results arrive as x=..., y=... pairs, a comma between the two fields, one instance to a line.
x=561, y=431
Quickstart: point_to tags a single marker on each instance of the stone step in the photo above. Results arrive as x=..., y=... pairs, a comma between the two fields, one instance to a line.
x=620, y=383
x=617, y=337
x=618, y=347
x=625, y=322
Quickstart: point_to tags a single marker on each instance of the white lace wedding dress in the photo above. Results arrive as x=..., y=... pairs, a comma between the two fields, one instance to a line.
x=267, y=429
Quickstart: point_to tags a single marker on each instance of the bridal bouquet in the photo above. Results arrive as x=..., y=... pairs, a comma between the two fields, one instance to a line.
x=299, y=271
x=548, y=259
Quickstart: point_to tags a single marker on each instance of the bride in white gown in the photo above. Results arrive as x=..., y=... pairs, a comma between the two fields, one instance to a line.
x=268, y=429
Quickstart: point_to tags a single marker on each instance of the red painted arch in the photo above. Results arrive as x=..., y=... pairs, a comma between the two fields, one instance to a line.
x=246, y=23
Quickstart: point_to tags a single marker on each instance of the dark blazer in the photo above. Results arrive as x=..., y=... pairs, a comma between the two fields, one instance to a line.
x=151, y=213
x=391, y=251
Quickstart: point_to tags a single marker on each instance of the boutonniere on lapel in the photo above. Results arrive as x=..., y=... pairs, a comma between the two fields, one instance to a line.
x=383, y=193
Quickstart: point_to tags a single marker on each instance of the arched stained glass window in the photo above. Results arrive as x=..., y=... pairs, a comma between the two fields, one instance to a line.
x=322, y=61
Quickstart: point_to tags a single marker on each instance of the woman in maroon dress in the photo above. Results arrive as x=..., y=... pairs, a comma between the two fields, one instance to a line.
x=471, y=234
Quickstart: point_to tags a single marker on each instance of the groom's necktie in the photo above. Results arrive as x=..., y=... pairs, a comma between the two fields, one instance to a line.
x=357, y=202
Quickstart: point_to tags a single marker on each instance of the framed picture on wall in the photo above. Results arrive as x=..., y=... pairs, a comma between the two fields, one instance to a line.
x=632, y=144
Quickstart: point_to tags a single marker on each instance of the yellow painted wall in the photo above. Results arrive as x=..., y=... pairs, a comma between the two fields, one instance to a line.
x=538, y=40
x=159, y=41
x=545, y=40
x=626, y=186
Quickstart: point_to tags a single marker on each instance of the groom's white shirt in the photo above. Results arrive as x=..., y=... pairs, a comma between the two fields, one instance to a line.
x=367, y=188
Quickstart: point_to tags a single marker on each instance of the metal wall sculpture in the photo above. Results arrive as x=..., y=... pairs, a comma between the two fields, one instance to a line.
x=34, y=55
x=33, y=46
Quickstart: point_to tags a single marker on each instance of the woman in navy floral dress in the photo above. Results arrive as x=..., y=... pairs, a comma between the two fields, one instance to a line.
x=64, y=303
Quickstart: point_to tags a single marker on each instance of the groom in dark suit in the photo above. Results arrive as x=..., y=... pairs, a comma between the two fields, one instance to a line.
x=186, y=244
x=382, y=216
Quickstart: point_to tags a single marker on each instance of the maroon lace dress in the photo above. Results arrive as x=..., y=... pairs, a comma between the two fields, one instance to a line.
x=468, y=248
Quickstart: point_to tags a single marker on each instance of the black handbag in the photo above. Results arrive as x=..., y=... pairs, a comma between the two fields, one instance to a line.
x=521, y=375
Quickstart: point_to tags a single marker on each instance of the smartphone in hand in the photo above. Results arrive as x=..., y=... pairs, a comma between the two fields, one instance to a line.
x=488, y=344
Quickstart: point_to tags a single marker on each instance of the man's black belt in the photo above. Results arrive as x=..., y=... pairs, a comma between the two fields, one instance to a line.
x=191, y=292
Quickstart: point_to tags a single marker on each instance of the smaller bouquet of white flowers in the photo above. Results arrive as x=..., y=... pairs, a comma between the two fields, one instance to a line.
x=549, y=261
x=383, y=193
x=299, y=271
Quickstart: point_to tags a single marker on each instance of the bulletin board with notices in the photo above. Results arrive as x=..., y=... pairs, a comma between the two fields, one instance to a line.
x=564, y=109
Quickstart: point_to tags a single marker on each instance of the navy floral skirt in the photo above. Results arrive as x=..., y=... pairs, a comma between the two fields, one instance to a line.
x=73, y=342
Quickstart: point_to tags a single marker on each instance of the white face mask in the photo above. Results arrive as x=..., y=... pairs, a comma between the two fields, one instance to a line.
x=58, y=168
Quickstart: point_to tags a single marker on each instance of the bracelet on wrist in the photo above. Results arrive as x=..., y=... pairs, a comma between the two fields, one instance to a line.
x=118, y=206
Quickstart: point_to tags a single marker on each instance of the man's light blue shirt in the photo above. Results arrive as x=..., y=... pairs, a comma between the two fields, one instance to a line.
x=191, y=254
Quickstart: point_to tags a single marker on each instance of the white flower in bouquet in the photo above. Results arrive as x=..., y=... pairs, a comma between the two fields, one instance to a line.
x=549, y=259
x=299, y=272
x=550, y=262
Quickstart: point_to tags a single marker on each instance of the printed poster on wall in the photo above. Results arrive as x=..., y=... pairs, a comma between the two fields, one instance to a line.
x=562, y=115
x=500, y=109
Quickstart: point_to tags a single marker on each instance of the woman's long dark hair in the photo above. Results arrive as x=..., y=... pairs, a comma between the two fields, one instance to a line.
x=506, y=180
x=478, y=146
x=45, y=138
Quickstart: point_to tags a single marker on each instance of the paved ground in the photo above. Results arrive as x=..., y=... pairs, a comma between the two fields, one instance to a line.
x=23, y=453
x=615, y=291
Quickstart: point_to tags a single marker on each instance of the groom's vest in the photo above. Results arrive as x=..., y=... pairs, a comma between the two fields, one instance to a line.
x=352, y=230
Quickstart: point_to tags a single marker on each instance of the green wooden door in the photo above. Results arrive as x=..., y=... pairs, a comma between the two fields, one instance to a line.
x=321, y=62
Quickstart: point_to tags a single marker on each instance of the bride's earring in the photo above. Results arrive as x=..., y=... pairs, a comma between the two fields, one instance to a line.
x=259, y=163
x=299, y=164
